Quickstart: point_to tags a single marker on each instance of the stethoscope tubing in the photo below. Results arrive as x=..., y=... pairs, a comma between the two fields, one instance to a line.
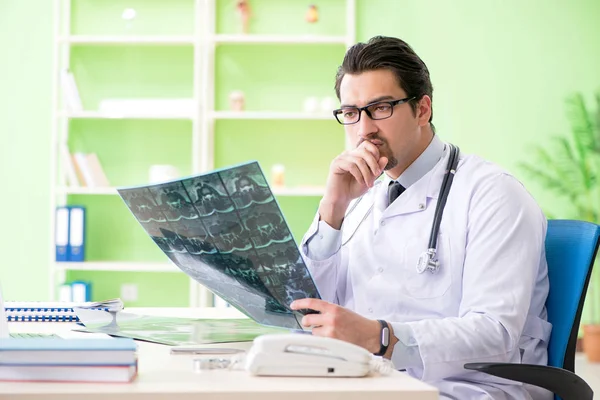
x=451, y=168
x=443, y=196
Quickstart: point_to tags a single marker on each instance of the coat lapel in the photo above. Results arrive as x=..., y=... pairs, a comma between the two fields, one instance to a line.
x=415, y=198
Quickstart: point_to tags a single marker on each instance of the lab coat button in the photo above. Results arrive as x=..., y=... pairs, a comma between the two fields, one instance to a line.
x=380, y=270
x=370, y=310
x=321, y=236
x=382, y=222
x=421, y=206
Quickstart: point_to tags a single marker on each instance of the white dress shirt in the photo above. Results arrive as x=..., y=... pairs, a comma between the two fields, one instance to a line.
x=486, y=302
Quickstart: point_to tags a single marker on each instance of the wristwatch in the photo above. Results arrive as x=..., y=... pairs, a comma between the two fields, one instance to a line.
x=385, y=338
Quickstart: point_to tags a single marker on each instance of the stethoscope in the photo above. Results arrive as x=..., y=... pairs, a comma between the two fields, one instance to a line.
x=428, y=260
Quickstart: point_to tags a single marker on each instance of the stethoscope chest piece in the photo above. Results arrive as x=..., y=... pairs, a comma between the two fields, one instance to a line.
x=428, y=262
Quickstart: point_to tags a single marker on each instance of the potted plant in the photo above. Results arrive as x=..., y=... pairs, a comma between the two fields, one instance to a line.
x=569, y=166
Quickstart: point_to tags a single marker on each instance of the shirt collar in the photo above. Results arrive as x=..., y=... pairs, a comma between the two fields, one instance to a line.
x=422, y=165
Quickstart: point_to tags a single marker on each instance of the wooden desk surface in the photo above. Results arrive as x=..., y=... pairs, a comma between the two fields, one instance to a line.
x=165, y=376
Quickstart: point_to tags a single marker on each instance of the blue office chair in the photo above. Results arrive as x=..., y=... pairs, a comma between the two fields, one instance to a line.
x=571, y=248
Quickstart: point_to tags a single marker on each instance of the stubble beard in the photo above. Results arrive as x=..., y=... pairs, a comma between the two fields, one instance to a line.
x=392, y=163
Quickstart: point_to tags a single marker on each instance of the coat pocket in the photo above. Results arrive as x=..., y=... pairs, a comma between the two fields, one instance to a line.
x=426, y=285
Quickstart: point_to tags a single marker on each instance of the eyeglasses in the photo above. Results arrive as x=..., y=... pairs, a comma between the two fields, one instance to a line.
x=375, y=111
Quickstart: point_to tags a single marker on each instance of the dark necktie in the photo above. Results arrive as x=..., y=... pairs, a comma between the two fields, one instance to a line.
x=394, y=190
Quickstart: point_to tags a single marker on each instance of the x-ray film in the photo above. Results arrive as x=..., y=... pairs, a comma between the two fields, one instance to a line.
x=225, y=230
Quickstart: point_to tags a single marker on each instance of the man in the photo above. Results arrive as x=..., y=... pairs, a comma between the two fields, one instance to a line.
x=484, y=302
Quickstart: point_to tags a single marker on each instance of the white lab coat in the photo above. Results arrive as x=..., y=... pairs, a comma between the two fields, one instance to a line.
x=485, y=303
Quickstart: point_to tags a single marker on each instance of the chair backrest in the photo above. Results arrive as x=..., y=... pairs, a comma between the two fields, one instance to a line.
x=571, y=248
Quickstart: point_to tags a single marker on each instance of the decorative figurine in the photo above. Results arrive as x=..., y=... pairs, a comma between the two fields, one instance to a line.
x=243, y=9
x=327, y=104
x=278, y=175
x=312, y=15
x=311, y=104
x=236, y=100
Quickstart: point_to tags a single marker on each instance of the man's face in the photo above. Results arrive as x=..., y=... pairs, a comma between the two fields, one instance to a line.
x=400, y=138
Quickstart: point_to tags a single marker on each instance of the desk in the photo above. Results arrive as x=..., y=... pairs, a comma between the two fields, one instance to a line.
x=163, y=376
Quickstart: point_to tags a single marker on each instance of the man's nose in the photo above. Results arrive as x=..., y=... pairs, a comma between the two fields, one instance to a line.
x=366, y=126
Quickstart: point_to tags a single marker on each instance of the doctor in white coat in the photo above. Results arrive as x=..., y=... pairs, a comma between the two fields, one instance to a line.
x=484, y=302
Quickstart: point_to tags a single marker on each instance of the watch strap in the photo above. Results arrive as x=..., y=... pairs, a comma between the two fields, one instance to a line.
x=384, y=339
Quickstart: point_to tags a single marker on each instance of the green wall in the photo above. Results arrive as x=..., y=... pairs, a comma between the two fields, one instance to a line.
x=25, y=121
x=500, y=69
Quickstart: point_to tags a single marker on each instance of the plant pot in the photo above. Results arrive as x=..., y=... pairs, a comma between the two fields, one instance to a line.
x=591, y=342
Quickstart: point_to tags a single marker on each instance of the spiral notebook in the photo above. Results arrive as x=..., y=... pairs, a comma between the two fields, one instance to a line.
x=33, y=311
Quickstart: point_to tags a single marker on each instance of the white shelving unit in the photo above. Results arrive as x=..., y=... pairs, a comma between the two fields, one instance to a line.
x=214, y=40
x=117, y=266
x=125, y=115
x=128, y=40
x=279, y=39
x=212, y=115
x=204, y=42
x=268, y=115
x=63, y=40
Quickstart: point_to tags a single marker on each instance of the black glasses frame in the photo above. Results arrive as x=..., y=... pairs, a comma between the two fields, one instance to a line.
x=392, y=103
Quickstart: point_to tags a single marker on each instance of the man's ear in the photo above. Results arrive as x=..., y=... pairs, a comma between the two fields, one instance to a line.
x=424, y=110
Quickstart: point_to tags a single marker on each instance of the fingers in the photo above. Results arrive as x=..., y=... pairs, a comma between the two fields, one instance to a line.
x=313, y=320
x=370, y=153
x=313, y=304
x=368, y=177
x=347, y=164
x=361, y=163
x=383, y=162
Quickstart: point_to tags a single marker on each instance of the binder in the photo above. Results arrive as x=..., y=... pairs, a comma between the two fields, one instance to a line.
x=65, y=292
x=76, y=234
x=80, y=291
x=33, y=311
x=15, y=317
x=62, y=233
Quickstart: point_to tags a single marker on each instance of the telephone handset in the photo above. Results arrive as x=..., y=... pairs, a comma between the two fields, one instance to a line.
x=298, y=354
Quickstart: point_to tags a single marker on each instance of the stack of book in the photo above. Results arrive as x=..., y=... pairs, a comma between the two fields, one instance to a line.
x=68, y=360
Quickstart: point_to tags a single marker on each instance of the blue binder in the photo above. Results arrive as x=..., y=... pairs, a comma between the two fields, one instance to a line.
x=76, y=234
x=62, y=233
x=81, y=291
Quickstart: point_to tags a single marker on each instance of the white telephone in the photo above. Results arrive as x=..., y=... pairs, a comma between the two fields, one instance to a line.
x=298, y=354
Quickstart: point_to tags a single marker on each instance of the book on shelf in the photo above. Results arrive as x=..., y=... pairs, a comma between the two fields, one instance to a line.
x=80, y=160
x=28, y=311
x=68, y=360
x=91, y=170
x=78, y=171
x=97, y=172
x=225, y=230
x=70, y=91
x=69, y=167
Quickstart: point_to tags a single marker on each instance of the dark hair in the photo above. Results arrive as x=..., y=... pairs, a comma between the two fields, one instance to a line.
x=382, y=52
